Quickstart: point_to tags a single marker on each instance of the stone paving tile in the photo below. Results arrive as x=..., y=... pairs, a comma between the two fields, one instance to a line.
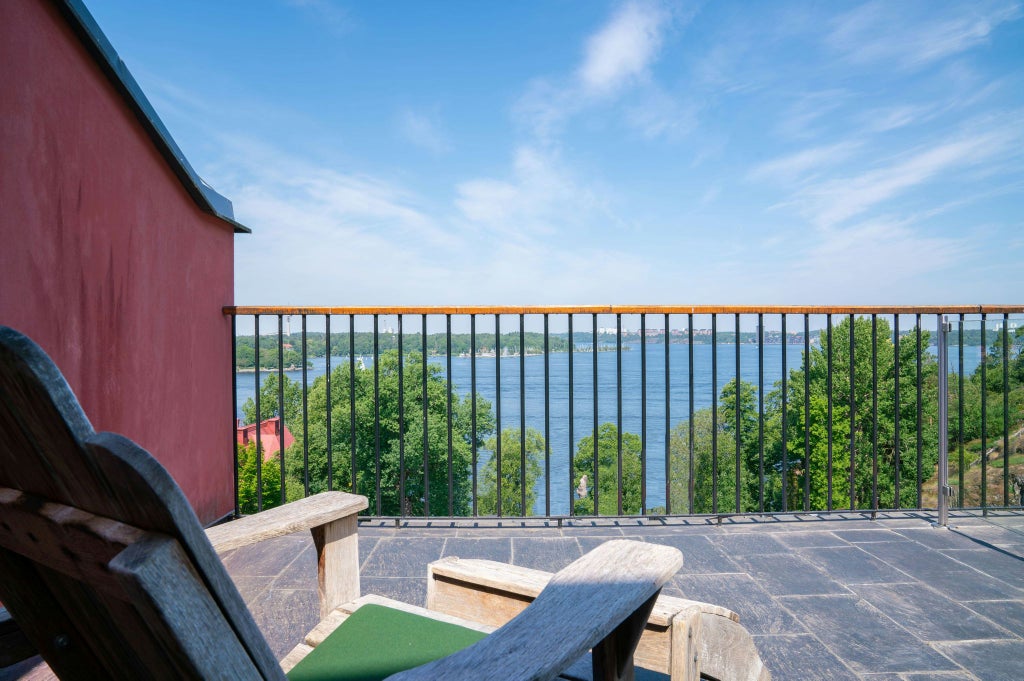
x=406, y=589
x=403, y=556
x=588, y=544
x=493, y=531
x=942, y=573
x=547, y=553
x=801, y=657
x=366, y=547
x=300, y=571
x=1002, y=566
x=700, y=556
x=933, y=676
x=251, y=588
x=758, y=611
x=926, y=613
x=285, y=616
x=990, y=533
x=872, y=534
x=939, y=538
x=787, y=575
x=851, y=565
x=490, y=548
x=1007, y=614
x=862, y=636
x=989, y=660
x=807, y=539
x=267, y=558
x=592, y=531
x=749, y=544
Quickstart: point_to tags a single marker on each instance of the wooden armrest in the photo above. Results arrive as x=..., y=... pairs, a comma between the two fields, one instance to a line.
x=331, y=517
x=304, y=514
x=601, y=601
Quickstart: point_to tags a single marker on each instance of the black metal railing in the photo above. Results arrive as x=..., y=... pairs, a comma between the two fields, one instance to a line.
x=837, y=412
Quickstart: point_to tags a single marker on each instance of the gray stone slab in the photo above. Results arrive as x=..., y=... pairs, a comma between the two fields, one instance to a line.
x=926, y=613
x=285, y=616
x=851, y=565
x=267, y=558
x=366, y=547
x=405, y=589
x=788, y=575
x=300, y=573
x=545, y=553
x=863, y=637
x=801, y=657
x=989, y=660
x=489, y=548
x=933, y=676
x=1007, y=614
x=758, y=611
x=749, y=543
x=403, y=556
x=250, y=588
x=941, y=572
x=700, y=556
x=588, y=544
x=506, y=531
x=993, y=534
x=993, y=562
x=803, y=539
x=873, y=534
x=938, y=538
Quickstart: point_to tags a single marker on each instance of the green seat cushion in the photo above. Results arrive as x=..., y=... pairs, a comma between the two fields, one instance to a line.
x=375, y=642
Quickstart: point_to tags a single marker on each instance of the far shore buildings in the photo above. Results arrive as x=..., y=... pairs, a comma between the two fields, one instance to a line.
x=271, y=436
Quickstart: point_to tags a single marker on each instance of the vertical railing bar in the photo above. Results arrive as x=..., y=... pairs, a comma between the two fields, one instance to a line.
x=984, y=416
x=643, y=414
x=522, y=415
x=597, y=510
x=960, y=410
x=690, y=408
x=280, y=402
x=897, y=455
x=327, y=390
x=1006, y=409
x=785, y=421
x=497, y=396
x=376, y=410
x=426, y=432
x=448, y=401
x=401, y=417
x=920, y=479
x=572, y=419
x=714, y=413
x=305, y=414
x=739, y=433
x=354, y=487
x=618, y=388
x=853, y=417
x=234, y=402
x=760, y=412
x=943, y=418
x=472, y=410
x=807, y=412
x=668, y=428
x=547, y=420
x=259, y=420
x=874, y=412
x=828, y=365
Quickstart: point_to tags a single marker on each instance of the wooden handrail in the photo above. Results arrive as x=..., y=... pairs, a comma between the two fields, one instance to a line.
x=626, y=309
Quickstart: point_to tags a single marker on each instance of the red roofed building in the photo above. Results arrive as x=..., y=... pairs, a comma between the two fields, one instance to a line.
x=270, y=436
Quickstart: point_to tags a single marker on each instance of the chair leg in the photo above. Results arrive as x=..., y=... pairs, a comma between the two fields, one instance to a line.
x=685, y=647
x=337, y=552
x=612, y=658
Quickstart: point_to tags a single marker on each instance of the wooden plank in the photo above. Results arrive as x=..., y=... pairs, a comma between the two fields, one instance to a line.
x=14, y=645
x=685, y=650
x=728, y=652
x=296, y=516
x=337, y=550
x=581, y=606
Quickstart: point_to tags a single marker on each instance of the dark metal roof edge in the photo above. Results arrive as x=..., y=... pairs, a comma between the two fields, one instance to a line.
x=89, y=32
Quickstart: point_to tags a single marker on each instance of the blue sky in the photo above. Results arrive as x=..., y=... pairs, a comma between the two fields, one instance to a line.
x=585, y=152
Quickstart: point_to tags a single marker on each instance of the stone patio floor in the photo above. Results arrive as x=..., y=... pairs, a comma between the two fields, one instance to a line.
x=840, y=597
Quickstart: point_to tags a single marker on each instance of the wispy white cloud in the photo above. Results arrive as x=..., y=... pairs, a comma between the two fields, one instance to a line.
x=789, y=168
x=881, y=32
x=621, y=52
x=424, y=130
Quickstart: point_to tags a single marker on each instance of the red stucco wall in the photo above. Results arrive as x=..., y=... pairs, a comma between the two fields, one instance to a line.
x=107, y=262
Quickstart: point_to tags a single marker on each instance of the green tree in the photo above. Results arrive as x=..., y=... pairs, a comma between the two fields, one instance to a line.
x=269, y=402
x=512, y=474
x=607, y=473
x=400, y=439
x=270, y=477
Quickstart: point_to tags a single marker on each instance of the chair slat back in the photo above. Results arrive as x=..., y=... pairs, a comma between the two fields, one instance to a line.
x=50, y=455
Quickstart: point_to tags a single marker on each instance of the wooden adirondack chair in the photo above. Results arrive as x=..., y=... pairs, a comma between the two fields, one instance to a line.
x=107, y=571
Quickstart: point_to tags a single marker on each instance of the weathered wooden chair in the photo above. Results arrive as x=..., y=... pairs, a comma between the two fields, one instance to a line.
x=107, y=571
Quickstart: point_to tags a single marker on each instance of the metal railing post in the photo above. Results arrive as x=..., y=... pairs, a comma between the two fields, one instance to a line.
x=944, y=489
